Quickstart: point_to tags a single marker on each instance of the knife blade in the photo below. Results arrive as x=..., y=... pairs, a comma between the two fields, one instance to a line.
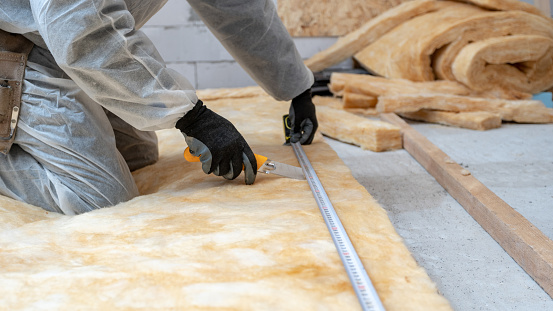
x=264, y=165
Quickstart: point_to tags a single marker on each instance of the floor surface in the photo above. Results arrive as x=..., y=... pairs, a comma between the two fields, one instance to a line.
x=471, y=270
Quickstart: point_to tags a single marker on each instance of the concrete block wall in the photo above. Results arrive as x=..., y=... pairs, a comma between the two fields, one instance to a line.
x=189, y=48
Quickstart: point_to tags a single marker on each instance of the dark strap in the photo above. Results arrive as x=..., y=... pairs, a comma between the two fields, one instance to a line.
x=14, y=50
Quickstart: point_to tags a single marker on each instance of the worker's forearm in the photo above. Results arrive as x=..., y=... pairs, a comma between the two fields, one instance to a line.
x=254, y=35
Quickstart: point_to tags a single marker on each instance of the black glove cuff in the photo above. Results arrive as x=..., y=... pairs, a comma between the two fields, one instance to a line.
x=305, y=96
x=191, y=116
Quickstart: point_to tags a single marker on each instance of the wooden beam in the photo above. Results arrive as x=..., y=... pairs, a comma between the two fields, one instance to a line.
x=526, y=244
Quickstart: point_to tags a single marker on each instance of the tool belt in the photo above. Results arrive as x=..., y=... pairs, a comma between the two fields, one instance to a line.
x=14, y=50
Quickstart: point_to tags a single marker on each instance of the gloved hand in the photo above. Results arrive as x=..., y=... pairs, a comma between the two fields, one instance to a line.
x=222, y=148
x=303, y=119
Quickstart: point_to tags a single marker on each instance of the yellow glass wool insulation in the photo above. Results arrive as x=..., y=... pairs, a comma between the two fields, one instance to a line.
x=199, y=242
x=474, y=120
x=368, y=134
x=425, y=47
x=522, y=111
x=369, y=32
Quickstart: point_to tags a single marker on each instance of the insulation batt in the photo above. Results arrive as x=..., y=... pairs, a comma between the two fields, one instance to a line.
x=198, y=242
x=438, y=45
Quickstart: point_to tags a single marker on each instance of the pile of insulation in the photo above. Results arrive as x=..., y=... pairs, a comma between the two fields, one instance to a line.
x=471, y=64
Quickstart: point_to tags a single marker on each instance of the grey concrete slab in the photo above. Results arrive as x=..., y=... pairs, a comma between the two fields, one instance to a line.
x=514, y=161
x=468, y=266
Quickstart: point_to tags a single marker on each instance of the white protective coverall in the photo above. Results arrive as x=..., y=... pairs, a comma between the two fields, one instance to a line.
x=95, y=86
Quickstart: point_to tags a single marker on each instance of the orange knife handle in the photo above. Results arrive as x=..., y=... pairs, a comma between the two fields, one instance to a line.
x=192, y=158
x=260, y=160
x=189, y=156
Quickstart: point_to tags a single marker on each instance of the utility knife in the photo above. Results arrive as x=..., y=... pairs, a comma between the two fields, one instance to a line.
x=264, y=165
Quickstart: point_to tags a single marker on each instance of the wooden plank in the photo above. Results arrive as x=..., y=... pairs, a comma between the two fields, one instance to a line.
x=307, y=18
x=544, y=6
x=526, y=244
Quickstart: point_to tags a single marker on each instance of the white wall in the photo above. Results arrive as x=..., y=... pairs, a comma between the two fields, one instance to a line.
x=188, y=47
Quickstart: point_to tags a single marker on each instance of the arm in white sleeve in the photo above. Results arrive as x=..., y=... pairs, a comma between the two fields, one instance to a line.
x=254, y=35
x=96, y=44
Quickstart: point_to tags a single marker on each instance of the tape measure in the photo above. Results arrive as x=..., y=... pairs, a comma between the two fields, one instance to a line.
x=364, y=289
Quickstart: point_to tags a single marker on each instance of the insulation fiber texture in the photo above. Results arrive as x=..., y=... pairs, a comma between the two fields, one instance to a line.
x=504, y=49
x=198, y=242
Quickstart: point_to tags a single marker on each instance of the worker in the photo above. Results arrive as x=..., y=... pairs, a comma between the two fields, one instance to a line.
x=95, y=88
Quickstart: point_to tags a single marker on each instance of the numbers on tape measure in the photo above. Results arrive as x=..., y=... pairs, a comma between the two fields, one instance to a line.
x=359, y=279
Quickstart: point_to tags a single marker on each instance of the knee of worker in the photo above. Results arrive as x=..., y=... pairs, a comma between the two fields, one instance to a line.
x=78, y=198
x=138, y=148
x=139, y=153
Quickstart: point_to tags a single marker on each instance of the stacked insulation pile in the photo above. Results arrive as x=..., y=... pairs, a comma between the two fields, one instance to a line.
x=471, y=64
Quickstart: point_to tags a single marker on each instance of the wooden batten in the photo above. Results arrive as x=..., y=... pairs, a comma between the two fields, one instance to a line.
x=526, y=244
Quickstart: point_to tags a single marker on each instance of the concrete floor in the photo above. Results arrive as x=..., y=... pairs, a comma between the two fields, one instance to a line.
x=470, y=269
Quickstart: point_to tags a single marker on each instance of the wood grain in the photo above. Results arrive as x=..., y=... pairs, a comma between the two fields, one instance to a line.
x=526, y=244
x=305, y=18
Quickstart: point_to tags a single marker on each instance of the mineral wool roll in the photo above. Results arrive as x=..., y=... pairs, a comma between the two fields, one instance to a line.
x=425, y=47
x=514, y=62
x=504, y=5
x=405, y=51
x=356, y=40
x=486, y=26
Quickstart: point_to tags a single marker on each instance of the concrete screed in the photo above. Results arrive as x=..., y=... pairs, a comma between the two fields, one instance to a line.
x=470, y=269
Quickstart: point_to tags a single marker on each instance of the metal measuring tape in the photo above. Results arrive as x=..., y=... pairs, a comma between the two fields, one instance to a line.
x=364, y=289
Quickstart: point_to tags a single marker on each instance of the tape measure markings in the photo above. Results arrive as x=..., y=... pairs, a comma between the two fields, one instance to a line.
x=364, y=289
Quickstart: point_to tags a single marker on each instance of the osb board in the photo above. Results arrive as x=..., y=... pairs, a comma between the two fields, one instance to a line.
x=306, y=18
x=198, y=242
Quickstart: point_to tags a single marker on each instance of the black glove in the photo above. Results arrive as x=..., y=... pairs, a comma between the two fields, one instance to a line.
x=222, y=148
x=303, y=119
